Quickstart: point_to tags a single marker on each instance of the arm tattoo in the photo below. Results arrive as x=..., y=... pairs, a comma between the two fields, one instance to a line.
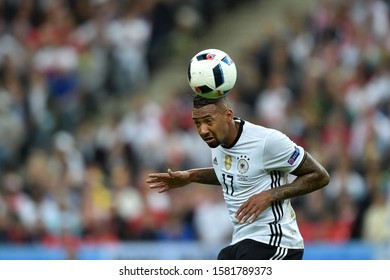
x=204, y=176
x=311, y=176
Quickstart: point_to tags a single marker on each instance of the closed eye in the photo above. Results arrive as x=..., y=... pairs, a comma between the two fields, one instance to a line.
x=208, y=121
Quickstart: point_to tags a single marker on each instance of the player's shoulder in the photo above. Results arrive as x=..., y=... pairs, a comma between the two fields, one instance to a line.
x=268, y=136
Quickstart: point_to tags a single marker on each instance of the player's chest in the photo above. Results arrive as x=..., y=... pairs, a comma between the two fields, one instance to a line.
x=243, y=165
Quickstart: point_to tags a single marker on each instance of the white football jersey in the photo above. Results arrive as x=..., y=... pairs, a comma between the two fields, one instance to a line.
x=259, y=159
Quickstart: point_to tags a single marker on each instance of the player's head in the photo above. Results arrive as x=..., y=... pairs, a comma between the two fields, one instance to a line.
x=213, y=119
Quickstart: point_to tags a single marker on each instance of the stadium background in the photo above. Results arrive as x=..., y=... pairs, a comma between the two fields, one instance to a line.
x=93, y=97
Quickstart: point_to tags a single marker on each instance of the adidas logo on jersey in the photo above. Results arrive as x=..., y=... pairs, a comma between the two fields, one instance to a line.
x=215, y=161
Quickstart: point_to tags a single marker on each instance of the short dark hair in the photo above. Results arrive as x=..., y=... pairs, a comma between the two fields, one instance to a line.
x=200, y=102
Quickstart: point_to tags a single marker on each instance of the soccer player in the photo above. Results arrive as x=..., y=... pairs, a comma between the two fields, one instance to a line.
x=252, y=164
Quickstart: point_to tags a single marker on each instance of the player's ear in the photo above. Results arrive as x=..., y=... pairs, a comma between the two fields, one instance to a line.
x=229, y=114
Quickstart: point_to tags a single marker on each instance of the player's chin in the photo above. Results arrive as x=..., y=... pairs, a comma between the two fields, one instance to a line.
x=212, y=144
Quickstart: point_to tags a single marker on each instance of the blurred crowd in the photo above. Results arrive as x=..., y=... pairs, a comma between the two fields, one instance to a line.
x=73, y=168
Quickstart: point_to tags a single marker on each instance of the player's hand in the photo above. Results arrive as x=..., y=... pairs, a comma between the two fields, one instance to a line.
x=252, y=208
x=165, y=181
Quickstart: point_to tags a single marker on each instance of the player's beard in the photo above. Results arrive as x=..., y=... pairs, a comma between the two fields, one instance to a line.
x=212, y=143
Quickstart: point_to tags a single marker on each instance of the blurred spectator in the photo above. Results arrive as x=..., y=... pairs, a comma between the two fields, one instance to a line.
x=211, y=219
x=345, y=179
x=94, y=49
x=11, y=129
x=128, y=204
x=57, y=60
x=272, y=103
x=130, y=35
x=376, y=220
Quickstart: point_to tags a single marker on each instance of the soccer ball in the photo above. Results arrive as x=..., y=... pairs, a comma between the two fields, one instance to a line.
x=212, y=73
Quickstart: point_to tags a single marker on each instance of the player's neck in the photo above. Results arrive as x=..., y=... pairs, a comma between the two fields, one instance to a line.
x=234, y=128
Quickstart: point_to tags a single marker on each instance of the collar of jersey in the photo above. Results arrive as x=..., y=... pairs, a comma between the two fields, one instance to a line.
x=242, y=122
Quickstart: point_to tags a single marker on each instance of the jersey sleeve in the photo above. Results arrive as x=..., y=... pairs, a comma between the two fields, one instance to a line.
x=281, y=153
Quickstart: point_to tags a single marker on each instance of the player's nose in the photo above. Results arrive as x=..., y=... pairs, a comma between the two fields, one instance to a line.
x=203, y=130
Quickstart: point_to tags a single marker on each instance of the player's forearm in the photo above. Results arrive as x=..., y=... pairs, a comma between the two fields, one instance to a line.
x=203, y=176
x=300, y=186
x=311, y=176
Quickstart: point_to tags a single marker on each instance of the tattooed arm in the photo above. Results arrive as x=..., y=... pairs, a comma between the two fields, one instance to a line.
x=177, y=179
x=311, y=176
